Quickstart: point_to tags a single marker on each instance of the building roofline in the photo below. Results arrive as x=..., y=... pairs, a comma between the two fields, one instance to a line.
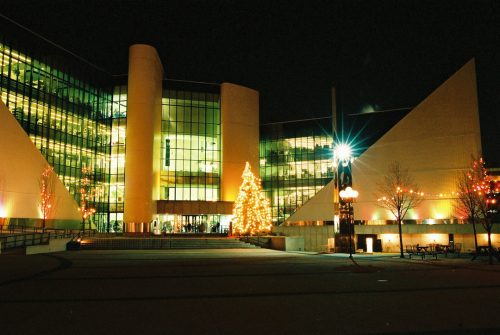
x=54, y=44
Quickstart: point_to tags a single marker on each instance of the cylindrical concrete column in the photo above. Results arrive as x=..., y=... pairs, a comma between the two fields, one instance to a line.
x=142, y=137
x=240, y=136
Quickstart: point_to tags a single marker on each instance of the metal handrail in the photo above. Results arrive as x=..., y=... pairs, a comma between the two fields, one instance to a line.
x=22, y=236
x=23, y=240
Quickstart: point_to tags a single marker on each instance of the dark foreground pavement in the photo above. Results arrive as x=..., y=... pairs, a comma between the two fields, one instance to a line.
x=254, y=291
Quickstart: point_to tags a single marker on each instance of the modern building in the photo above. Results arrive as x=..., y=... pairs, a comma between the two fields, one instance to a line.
x=435, y=141
x=296, y=162
x=139, y=148
x=145, y=150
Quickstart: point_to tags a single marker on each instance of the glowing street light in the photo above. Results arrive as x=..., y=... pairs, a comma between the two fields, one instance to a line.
x=342, y=157
x=342, y=154
x=349, y=196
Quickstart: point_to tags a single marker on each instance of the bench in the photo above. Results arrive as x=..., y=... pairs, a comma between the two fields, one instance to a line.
x=484, y=251
x=438, y=249
x=413, y=250
x=455, y=249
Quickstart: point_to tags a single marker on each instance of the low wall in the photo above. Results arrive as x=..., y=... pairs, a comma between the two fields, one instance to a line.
x=316, y=238
x=55, y=245
x=424, y=234
x=287, y=243
x=36, y=223
x=320, y=238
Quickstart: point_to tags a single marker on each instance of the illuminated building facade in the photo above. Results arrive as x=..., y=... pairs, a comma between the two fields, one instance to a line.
x=435, y=142
x=169, y=152
x=154, y=146
x=190, y=148
x=65, y=109
x=296, y=162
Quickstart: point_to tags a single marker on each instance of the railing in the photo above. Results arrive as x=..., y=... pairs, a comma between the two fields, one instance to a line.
x=22, y=236
x=24, y=240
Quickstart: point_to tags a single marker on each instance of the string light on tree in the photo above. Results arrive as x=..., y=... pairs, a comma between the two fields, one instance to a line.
x=47, y=193
x=252, y=212
x=86, y=193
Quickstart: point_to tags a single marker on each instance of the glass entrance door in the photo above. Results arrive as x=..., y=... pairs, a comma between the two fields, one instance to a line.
x=200, y=224
x=194, y=223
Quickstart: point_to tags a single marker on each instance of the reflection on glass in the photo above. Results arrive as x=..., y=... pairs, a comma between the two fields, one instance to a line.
x=190, y=146
x=295, y=163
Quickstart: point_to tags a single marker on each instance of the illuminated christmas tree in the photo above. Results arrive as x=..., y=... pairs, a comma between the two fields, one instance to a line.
x=252, y=213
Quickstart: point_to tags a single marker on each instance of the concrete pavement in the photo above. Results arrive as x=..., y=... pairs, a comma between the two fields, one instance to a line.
x=245, y=291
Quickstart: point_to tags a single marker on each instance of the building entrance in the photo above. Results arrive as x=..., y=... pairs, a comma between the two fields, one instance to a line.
x=201, y=224
x=194, y=223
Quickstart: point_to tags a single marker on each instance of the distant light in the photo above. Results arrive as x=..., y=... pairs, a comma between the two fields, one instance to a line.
x=369, y=244
x=367, y=109
x=3, y=211
x=439, y=216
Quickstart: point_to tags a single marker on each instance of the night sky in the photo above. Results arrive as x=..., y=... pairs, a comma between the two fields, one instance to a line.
x=380, y=55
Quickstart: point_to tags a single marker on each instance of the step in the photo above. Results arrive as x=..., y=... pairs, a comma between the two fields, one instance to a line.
x=163, y=243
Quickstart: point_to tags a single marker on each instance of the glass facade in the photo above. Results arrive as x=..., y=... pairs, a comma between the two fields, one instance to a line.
x=191, y=145
x=76, y=115
x=67, y=118
x=117, y=159
x=296, y=161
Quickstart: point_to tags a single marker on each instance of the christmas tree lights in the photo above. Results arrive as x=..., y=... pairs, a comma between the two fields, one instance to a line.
x=86, y=194
x=251, y=210
x=47, y=193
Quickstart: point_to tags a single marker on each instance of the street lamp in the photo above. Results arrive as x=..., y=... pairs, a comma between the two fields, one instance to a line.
x=349, y=196
x=342, y=156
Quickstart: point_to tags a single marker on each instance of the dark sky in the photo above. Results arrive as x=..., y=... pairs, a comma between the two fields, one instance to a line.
x=378, y=54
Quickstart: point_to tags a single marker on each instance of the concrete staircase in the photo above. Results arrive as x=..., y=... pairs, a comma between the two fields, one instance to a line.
x=125, y=243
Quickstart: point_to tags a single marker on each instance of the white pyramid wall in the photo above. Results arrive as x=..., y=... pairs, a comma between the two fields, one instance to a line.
x=318, y=208
x=434, y=141
x=21, y=165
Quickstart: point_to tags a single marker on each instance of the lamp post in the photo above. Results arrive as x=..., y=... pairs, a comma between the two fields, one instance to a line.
x=342, y=157
x=349, y=196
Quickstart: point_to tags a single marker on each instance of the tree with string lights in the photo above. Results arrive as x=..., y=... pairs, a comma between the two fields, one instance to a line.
x=398, y=193
x=485, y=193
x=86, y=194
x=467, y=200
x=47, y=193
x=251, y=210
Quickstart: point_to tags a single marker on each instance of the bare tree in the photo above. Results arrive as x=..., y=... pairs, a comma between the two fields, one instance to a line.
x=398, y=193
x=47, y=183
x=467, y=201
x=484, y=187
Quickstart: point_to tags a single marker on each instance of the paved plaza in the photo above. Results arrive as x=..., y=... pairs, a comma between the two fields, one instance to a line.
x=245, y=291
